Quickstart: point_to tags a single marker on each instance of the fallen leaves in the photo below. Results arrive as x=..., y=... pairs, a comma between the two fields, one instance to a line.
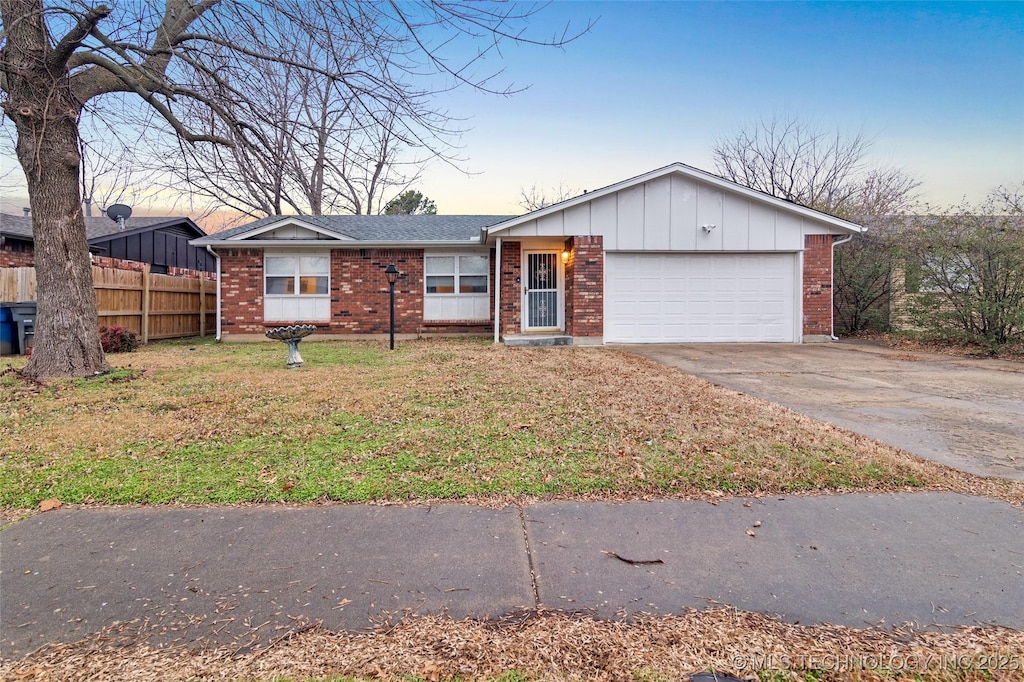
x=47, y=505
x=545, y=645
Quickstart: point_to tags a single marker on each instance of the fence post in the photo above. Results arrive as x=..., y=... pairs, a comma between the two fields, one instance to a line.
x=145, y=303
x=202, y=304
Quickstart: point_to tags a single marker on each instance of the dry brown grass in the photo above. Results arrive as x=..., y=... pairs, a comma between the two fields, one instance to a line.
x=647, y=431
x=434, y=420
x=556, y=646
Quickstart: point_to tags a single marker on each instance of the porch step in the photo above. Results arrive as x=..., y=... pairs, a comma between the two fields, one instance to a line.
x=516, y=340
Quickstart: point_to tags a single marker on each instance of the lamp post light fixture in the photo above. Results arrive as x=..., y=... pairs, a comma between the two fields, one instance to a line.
x=391, y=272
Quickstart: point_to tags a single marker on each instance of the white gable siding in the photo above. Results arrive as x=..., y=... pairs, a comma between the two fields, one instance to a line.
x=293, y=232
x=736, y=226
x=709, y=212
x=577, y=219
x=631, y=218
x=682, y=235
x=667, y=214
x=762, y=236
x=657, y=214
x=604, y=220
x=551, y=225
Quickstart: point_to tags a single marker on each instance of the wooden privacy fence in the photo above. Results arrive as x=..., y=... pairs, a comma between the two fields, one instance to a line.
x=153, y=306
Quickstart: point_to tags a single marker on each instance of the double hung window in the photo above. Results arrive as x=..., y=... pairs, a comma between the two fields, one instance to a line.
x=456, y=286
x=297, y=287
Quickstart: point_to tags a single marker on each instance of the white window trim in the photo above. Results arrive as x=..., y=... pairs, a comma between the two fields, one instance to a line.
x=457, y=274
x=297, y=296
x=455, y=305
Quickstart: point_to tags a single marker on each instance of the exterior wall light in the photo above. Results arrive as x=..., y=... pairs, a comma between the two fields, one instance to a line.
x=565, y=256
x=391, y=272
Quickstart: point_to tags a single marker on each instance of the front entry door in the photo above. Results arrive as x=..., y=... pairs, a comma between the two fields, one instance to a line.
x=541, y=305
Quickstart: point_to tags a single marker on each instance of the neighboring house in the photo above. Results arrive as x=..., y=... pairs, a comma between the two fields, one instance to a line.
x=674, y=255
x=163, y=242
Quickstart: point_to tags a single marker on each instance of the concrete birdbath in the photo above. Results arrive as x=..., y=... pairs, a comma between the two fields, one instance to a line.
x=291, y=336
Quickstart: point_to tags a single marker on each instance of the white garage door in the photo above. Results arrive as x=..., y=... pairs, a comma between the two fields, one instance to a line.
x=653, y=297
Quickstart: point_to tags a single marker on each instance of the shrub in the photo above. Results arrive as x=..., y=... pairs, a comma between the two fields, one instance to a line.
x=118, y=339
x=972, y=272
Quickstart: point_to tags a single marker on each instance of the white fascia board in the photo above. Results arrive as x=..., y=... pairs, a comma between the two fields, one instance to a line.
x=690, y=172
x=342, y=244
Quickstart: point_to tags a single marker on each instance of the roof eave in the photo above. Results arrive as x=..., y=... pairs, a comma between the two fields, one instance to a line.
x=690, y=171
x=149, y=228
x=333, y=244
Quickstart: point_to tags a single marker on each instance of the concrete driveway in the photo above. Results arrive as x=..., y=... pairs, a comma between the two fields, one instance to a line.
x=963, y=412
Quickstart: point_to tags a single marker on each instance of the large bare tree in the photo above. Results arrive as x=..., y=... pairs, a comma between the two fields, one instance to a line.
x=828, y=170
x=795, y=160
x=334, y=151
x=194, y=63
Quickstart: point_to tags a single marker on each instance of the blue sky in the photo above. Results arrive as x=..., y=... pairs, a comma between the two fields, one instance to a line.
x=939, y=87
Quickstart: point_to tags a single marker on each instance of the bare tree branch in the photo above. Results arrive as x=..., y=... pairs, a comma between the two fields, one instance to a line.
x=73, y=39
x=368, y=71
x=536, y=198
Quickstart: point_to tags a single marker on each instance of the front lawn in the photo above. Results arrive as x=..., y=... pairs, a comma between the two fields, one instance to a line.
x=199, y=422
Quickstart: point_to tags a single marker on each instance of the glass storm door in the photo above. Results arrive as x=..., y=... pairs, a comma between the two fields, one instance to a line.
x=541, y=290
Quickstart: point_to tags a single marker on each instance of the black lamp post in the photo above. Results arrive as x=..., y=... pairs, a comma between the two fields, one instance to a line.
x=391, y=272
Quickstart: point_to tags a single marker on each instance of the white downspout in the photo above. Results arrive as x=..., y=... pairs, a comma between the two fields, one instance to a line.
x=832, y=287
x=216, y=258
x=497, y=290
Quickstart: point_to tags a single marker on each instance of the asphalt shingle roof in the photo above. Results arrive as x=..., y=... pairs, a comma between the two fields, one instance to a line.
x=95, y=226
x=385, y=228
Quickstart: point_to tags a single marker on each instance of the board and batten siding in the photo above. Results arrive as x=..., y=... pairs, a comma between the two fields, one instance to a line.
x=666, y=214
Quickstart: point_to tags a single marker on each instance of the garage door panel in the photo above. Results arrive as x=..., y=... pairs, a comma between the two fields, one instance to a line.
x=700, y=297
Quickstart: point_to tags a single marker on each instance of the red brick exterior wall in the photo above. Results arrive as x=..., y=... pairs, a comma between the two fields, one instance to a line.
x=241, y=291
x=584, y=287
x=137, y=266
x=117, y=263
x=358, y=290
x=510, y=282
x=817, y=285
x=17, y=255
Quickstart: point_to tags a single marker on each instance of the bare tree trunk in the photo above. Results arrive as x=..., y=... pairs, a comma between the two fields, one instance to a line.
x=67, y=341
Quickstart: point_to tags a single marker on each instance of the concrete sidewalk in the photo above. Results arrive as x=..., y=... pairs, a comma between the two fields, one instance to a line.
x=247, y=575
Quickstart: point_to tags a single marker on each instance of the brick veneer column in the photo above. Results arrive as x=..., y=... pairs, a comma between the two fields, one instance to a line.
x=584, y=287
x=817, y=287
x=241, y=291
x=509, y=281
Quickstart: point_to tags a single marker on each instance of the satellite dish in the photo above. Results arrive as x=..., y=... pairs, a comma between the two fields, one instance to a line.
x=119, y=213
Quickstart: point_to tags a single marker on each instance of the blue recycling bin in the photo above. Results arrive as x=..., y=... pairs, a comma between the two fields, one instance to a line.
x=23, y=315
x=8, y=331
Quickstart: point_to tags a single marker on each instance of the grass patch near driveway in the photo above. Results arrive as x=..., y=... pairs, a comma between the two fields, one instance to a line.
x=199, y=422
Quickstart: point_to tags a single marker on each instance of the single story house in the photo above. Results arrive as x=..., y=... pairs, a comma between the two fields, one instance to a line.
x=162, y=242
x=673, y=255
